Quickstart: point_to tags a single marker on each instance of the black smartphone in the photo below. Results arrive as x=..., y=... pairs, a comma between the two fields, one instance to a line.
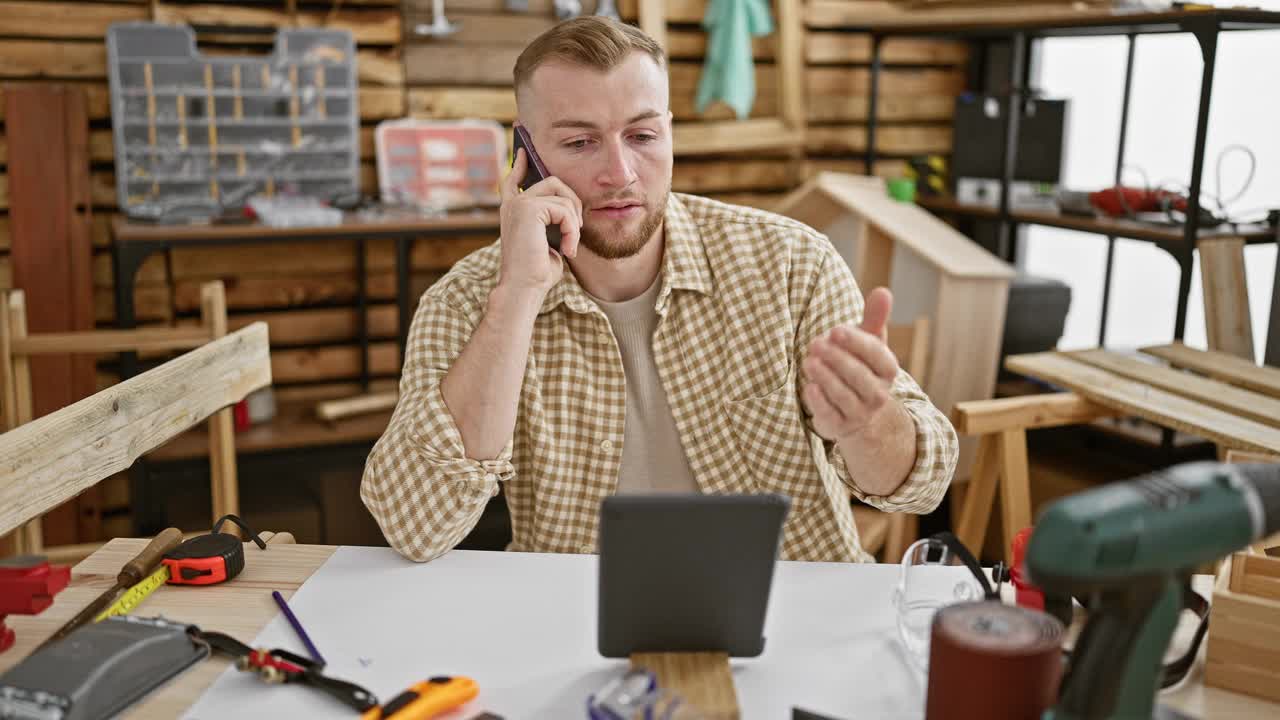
x=535, y=172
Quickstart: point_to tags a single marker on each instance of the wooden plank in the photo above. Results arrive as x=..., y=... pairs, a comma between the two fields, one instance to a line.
x=102, y=189
x=481, y=28
x=891, y=108
x=268, y=291
x=890, y=139
x=893, y=81
x=453, y=65
x=322, y=325
x=1158, y=406
x=703, y=176
x=6, y=273
x=1263, y=587
x=101, y=146
x=730, y=136
x=52, y=59
x=653, y=17
x=332, y=410
x=791, y=70
x=52, y=254
x=815, y=166
x=1225, y=625
x=1242, y=456
x=100, y=230
x=1226, y=296
x=981, y=417
x=379, y=103
x=1247, y=655
x=836, y=47
x=683, y=44
x=975, y=514
x=335, y=362
x=685, y=76
x=369, y=26
x=463, y=102
x=1214, y=393
x=113, y=341
x=702, y=679
x=64, y=19
x=4, y=230
x=149, y=304
x=1015, y=487
x=1245, y=608
x=225, y=486
x=52, y=458
x=1261, y=566
x=687, y=12
x=381, y=67
x=1221, y=366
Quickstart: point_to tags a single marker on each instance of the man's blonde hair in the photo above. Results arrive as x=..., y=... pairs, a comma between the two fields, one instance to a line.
x=591, y=41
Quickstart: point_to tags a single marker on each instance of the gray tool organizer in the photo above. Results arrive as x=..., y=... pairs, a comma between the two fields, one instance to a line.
x=195, y=135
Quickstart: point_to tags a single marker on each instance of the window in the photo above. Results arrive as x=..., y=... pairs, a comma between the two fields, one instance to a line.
x=1162, y=116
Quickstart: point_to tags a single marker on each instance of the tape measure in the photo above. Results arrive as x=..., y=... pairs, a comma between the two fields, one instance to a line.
x=201, y=560
x=209, y=559
x=136, y=594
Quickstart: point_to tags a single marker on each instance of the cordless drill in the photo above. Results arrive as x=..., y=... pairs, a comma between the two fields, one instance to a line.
x=1130, y=548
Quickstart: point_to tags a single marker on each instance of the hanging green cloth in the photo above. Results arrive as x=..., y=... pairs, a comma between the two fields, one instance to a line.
x=729, y=71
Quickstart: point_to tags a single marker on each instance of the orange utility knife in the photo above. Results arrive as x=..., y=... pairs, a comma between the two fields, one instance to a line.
x=426, y=699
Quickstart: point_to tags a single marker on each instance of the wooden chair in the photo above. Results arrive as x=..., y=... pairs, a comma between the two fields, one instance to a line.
x=17, y=346
x=880, y=531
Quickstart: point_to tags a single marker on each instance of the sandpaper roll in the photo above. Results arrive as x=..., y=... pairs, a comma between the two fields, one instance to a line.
x=989, y=660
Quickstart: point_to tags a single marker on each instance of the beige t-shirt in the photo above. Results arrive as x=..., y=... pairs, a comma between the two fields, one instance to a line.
x=653, y=460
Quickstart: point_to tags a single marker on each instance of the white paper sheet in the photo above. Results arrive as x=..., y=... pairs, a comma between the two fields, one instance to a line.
x=524, y=627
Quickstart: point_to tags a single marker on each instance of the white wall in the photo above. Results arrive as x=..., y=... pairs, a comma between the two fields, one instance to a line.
x=1162, y=116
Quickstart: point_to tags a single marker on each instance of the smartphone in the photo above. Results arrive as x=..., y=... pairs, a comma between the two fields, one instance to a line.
x=535, y=172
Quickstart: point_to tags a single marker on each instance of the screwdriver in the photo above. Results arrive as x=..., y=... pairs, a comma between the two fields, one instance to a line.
x=142, y=565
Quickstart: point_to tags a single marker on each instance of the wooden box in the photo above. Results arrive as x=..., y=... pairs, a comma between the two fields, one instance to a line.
x=1244, y=627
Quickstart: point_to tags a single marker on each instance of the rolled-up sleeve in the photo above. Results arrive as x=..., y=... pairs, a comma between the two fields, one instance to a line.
x=418, y=482
x=829, y=296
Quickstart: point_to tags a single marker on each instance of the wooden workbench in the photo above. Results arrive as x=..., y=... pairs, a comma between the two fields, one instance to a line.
x=243, y=607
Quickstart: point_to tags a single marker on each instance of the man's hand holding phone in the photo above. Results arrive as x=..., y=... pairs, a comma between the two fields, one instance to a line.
x=527, y=260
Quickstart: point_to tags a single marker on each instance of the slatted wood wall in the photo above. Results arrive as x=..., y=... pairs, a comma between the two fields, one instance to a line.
x=300, y=291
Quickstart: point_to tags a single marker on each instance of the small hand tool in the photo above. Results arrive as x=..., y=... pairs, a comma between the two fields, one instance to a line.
x=142, y=565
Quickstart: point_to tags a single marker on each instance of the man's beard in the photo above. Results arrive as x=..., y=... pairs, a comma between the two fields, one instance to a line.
x=617, y=247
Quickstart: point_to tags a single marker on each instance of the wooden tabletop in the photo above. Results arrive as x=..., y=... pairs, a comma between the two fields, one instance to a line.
x=391, y=223
x=241, y=608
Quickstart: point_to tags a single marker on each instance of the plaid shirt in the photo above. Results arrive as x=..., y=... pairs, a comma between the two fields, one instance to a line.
x=743, y=293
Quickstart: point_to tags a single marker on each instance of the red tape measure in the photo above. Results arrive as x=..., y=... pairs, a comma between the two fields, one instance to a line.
x=209, y=559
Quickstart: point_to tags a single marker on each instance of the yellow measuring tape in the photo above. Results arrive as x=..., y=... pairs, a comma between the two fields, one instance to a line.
x=136, y=594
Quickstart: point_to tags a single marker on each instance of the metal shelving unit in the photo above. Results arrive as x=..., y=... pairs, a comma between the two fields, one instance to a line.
x=1180, y=241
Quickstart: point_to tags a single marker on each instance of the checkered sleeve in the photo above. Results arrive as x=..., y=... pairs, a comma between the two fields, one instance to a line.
x=418, y=482
x=829, y=296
